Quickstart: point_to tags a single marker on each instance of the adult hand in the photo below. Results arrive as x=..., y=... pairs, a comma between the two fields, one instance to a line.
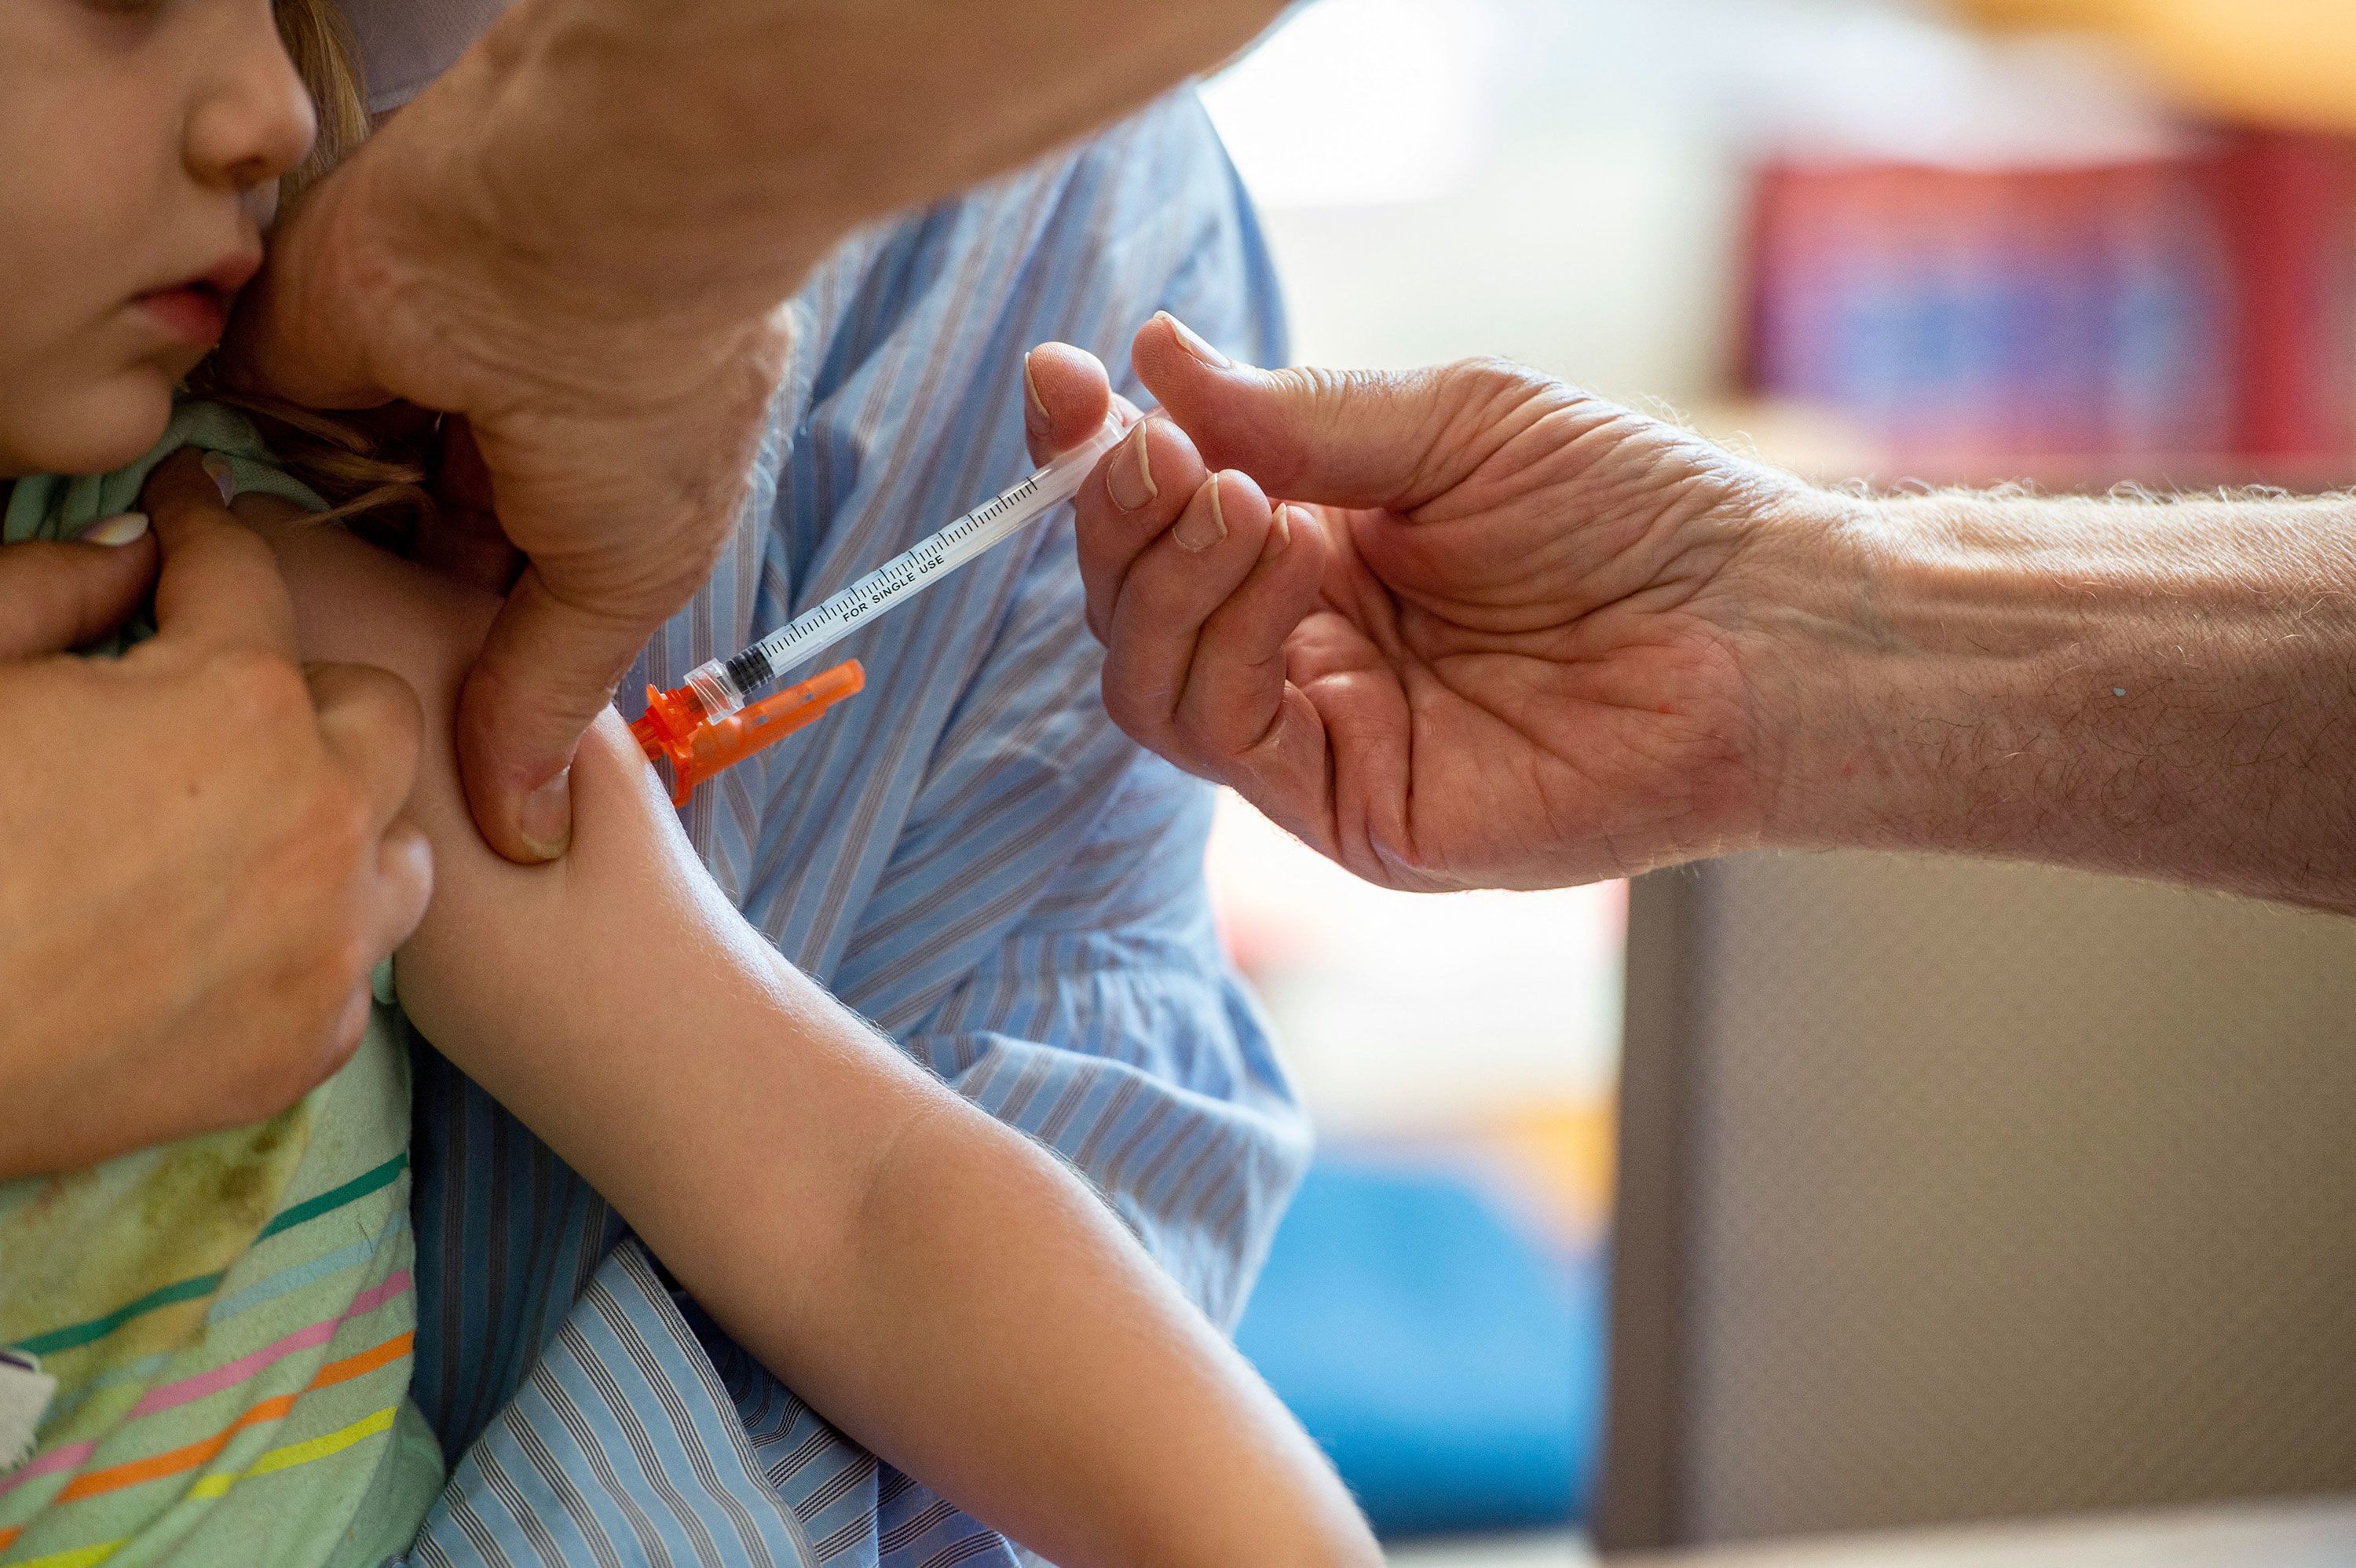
x=579, y=238
x=618, y=453
x=207, y=854
x=1490, y=640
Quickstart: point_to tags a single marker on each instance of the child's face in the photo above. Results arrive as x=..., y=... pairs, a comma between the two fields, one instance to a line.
x=140, y=142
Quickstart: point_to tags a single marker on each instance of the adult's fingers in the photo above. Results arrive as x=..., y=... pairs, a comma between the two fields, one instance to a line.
x=622, y=510
x=1139, y=489
x=1175, y=586
x=1234, y=693
x=300, y=330
x=405, y=880
x=220, y=586
x=547, y=669
x=1347, y=439
x=1065, y=395
x=463, y=538
x=372, y=725
x=58, y=596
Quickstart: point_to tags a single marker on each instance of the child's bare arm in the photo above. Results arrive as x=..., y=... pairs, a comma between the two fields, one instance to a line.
x=936, y=1283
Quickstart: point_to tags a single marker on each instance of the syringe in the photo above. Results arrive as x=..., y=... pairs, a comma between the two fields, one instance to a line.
x=680, y=725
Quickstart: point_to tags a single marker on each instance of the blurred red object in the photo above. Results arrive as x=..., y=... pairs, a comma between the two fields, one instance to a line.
x=2204, y=305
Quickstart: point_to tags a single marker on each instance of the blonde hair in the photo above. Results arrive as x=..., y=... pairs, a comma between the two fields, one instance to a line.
x=316, y=41
x=356, y=473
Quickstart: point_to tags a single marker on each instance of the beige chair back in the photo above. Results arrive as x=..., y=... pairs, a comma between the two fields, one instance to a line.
x=1951, y=1190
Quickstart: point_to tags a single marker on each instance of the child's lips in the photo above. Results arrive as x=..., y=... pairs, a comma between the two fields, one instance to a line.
x=195, y=311
x=193, y=314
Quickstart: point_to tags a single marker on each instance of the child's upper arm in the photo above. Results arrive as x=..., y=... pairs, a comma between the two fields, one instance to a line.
x=615, y=999
x=355, y=603
x=499, y=940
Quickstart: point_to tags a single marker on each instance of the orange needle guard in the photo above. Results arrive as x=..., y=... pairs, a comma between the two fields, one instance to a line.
x=674, y=730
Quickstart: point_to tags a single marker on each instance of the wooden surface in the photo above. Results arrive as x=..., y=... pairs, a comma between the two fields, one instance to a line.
x=2321, y=1534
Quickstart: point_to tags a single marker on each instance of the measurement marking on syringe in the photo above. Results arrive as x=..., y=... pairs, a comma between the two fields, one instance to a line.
x=908, y=573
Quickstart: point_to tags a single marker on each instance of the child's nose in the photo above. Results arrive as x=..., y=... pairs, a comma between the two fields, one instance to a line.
x=252, y=122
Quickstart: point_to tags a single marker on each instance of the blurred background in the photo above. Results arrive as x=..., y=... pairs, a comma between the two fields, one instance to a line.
x=2076, y=243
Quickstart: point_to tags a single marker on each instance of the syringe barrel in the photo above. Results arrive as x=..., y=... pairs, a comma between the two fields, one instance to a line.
x=726, y=685
x=715, y=689
x=1049, y=486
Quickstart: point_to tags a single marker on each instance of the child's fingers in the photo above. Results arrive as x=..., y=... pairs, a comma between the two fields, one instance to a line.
x=1175, y=586
x=1137, y=491
x=58, y=596
x=219, y=587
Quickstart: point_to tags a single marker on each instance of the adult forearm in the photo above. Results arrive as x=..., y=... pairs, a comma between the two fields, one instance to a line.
x=2156, y=690
x=707, y=152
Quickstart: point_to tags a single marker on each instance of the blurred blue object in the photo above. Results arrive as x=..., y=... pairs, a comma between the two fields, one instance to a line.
x=1438, y=1344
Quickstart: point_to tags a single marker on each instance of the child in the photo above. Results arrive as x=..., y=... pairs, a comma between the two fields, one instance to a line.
x=227, y=1321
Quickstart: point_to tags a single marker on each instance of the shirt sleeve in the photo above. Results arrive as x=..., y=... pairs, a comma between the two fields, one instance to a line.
x=1104, y=1020
x=1042, y=936
x=972, y=855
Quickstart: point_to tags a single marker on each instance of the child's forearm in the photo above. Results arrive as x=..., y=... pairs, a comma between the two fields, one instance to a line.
x=1092, y=1383
x=934, y=1283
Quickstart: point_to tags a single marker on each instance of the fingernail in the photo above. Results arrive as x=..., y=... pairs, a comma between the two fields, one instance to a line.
x=217, y=467
x=124, y=527
x=1034, y=412
x=1194, y=343
x=1279, y=523
x=1200, y=530
x=1132, y=482
x=546, y=822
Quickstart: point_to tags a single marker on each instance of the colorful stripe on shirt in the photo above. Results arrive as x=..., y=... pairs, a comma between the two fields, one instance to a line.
x=75, y=1335
x=283, y=1458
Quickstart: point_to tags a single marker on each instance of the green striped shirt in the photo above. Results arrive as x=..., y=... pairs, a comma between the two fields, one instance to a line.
x=230, y=1318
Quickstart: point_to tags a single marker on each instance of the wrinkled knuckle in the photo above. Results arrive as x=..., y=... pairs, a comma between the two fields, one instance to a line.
x=1323, y=384
x=1489, y=372
x=1491, y=369
x=1495, y=382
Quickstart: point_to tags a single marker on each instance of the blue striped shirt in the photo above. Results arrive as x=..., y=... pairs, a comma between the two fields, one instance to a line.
x=969, y=854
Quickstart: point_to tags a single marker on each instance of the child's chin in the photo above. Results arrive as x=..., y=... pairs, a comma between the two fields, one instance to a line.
x=109, y=427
